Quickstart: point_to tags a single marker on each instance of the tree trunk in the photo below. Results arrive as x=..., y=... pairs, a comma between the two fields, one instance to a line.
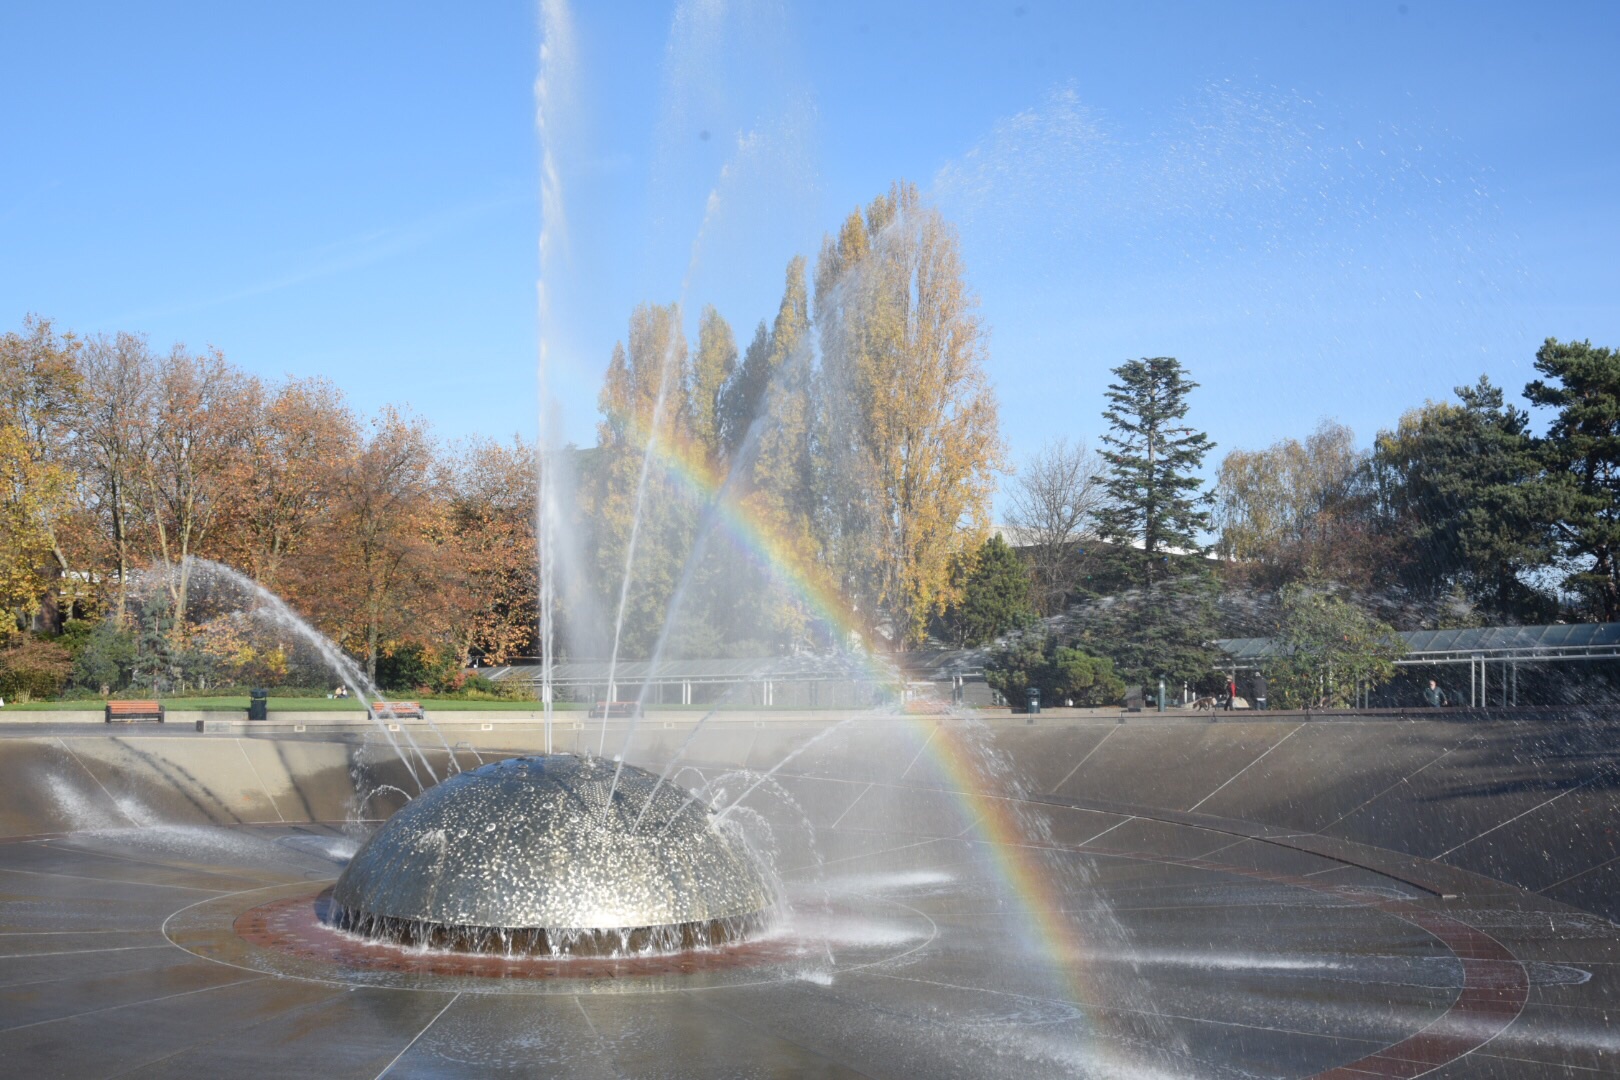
x=1609, y=596
x=121, y=539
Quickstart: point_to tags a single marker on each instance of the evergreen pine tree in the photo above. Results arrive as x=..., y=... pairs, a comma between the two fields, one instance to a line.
x=1461, y=483
x=1581, y=456
x=1153, y=457
x=1154, y=514
x=994, y=599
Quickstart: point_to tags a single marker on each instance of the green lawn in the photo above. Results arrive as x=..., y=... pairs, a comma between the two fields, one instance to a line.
x=283, y=704
x=322, y=704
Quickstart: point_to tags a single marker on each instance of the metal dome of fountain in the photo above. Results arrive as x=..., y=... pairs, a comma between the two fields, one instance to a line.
x=552, y=855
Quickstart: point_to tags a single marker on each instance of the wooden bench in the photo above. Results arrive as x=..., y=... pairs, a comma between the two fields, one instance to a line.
x=127, y=712
x=397, y=710
x=616, y=710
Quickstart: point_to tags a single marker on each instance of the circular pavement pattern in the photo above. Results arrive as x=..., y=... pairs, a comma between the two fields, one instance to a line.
x=910, y=946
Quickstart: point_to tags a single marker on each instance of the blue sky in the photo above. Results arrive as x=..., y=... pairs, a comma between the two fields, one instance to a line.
x=1322, y=209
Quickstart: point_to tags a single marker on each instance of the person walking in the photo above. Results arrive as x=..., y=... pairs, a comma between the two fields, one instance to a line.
x=1435, y=696
x=1259, y=685
x=1231, y=692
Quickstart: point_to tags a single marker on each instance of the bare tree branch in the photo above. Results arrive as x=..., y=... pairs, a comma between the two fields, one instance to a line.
x=1053, y=503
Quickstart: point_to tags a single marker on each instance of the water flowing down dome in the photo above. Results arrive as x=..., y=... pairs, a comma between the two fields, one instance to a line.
x=548, y=855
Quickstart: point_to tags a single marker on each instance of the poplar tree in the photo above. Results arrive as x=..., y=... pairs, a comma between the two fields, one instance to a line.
x=654, y=361
x=716, y=359
x=910, y=442
x=741, y=396
x=776, y=482
x=1153, y=456
x=782, y=481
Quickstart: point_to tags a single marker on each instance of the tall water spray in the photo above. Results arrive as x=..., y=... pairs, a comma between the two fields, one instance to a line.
x=274, y=608
x=556, y=62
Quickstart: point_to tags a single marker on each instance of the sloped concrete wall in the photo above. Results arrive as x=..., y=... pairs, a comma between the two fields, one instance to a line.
x=1534, y=802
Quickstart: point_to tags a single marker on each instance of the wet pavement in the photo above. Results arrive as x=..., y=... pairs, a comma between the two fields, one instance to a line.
x=934, y=927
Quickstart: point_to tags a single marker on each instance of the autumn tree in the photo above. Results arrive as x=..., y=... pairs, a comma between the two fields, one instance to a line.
x=1051, y=510
x=1268, y=501
x=1297, y=509
x=716, y=360
x=293, y=446
x=40, y=389
x=494, y=548
x=33, y=495
x=849, y=481
x=32, y=667
x=643, y=400
x=909, y=432
x=774, y=467
x=758, y=434
x=374, y=580
x=196, y=458
x=782, y=464
x=743, y=392
x=114, y=422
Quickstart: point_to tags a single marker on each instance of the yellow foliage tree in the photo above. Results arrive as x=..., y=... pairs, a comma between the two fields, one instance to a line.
x=716, y=359
x=33, y=496
x=779, y=492
x=653, y=367
x=40, y=391
x=909, y=433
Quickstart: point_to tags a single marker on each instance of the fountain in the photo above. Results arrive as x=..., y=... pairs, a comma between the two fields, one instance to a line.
x=934, y=893
x=538, y=855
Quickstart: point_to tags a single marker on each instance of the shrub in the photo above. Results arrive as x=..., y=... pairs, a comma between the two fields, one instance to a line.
x=1326, y=649
x=413, y=667
x=33, y=667
x=1058, y=671
x=104, y=658
x=477, y=684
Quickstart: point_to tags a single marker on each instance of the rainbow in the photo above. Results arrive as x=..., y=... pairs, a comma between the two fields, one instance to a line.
x=1015, y=860
x=687, y=464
